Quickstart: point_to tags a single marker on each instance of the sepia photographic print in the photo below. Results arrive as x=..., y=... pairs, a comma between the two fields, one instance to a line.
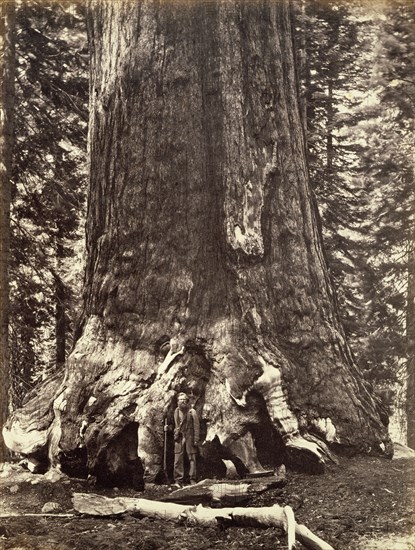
x=207, y=287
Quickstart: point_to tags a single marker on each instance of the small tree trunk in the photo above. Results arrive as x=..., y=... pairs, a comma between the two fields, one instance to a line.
x=329, y=130
x=6, y=139
x=410, y=332
x=60, y=308
x=22, y=361
x=303, y=66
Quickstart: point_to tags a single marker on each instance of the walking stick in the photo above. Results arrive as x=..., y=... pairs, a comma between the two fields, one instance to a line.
x=165, y=449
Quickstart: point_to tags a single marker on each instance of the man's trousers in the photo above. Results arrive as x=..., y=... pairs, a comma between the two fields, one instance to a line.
x=179, y=466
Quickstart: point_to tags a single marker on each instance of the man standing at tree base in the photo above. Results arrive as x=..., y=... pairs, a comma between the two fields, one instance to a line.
x=186, y=439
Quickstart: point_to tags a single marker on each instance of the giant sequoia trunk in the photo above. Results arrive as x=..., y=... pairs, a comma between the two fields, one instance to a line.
x=202, y=232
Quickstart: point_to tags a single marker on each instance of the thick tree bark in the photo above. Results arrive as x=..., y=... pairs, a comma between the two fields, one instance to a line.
x=6, y=138
x=201, y=231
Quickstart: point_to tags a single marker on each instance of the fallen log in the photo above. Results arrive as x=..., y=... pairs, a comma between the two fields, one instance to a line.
x=225, y=493
x=34, y=515
x=267, y=516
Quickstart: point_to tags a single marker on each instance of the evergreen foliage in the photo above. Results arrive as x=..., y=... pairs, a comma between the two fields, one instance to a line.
x=390, y=175
x=49, y=185
x=357, y=88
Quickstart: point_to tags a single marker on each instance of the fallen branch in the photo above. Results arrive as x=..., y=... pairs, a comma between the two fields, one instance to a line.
x=270, y=516
x=290, y=519
x=225, y=493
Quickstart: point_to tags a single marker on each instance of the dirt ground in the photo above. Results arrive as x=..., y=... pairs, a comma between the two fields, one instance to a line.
x=364, y=503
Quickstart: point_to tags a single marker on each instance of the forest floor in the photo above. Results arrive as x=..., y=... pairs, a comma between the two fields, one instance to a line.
x=364, y=503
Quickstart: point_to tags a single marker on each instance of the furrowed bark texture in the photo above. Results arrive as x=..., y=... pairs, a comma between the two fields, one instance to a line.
x=201, y=230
